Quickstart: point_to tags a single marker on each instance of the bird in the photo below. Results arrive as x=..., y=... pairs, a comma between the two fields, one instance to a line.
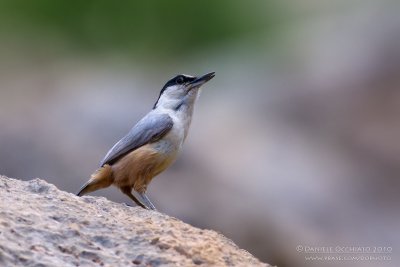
x=153, y=143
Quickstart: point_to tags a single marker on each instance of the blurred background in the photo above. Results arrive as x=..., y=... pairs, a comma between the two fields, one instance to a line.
x=294, y=142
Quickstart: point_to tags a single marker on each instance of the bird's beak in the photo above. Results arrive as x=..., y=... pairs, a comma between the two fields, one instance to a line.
x=202, y=80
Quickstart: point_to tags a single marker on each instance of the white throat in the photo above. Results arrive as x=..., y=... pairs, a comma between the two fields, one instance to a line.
x=180, y=110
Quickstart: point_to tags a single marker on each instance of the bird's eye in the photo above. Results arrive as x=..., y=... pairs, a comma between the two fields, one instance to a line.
x=180, y=80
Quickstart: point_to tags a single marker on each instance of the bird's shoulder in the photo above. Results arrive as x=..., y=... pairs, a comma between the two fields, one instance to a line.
x=150, y=128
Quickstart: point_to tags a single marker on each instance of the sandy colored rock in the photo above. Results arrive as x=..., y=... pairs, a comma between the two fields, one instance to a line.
x=43, y=226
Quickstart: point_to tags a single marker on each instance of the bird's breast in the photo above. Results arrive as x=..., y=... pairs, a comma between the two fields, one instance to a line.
x=181, y=120
x=172, y=141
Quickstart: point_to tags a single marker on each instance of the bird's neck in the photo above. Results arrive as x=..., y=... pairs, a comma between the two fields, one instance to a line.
x=184, y=110
x=181, y=109
x=184, y=104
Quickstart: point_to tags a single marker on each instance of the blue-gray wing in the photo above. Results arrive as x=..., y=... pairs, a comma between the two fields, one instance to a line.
x=149, y=129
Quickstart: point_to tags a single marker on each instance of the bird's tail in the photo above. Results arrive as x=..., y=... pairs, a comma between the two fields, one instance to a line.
x=102, y=178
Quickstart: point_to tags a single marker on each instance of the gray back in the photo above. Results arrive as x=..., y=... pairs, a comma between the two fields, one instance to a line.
x=149, y=129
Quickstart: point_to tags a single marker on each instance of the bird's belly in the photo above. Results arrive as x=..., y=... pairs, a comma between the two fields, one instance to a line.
x=137, y=168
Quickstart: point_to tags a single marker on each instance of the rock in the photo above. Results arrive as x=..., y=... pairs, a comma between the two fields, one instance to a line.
x=43, y=226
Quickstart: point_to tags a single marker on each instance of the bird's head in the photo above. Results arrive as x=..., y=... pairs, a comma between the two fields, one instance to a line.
x=180, y=89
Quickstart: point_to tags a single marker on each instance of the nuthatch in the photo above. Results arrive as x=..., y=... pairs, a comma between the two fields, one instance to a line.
x=152, y=145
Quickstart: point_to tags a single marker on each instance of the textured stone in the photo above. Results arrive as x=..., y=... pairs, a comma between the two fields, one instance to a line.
x=43, y=226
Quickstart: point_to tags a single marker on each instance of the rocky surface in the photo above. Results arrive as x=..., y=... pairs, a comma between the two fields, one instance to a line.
x=43, y=226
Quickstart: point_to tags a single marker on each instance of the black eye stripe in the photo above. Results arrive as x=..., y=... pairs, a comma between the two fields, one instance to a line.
x=180, y=80
x=173, y=81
